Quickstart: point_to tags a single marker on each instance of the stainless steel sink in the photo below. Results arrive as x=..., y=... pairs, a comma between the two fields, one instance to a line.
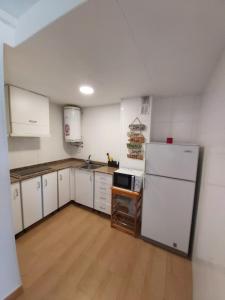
x=91, y=167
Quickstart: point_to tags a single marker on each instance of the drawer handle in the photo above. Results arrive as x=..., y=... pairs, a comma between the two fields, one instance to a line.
x=32, y=121
x=103, y=189
x=102, y=178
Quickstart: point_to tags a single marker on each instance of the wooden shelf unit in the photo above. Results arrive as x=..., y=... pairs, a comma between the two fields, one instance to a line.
x=121, y=217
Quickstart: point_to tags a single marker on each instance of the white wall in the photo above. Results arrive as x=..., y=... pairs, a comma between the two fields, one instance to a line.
x=209, y=246
x=29, y=151
x=100, y=132
x=176, y=117
x=130, y=109
x=9, y=273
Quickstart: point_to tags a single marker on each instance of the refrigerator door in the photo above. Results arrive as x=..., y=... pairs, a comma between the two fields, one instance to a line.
x=175, y=161
x=167, y=211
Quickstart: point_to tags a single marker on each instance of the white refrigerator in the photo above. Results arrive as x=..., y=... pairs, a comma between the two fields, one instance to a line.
x=169, y=192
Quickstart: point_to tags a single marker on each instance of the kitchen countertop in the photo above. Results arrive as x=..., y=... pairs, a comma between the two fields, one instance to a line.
x=56, y=166
x=106, y=170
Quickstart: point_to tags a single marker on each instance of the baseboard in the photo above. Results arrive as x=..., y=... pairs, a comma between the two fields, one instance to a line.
x=15, y=294
x=167, y=248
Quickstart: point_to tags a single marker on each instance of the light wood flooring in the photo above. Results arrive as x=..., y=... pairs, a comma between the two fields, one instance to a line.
x=76, y=255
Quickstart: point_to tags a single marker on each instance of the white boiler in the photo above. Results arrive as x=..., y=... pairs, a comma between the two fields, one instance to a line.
x=72, y=124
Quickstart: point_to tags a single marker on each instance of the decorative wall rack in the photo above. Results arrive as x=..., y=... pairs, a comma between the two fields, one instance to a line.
x=136, y=140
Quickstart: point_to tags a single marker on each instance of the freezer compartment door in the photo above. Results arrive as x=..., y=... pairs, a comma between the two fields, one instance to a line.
x=176, y=161
x=167, y=211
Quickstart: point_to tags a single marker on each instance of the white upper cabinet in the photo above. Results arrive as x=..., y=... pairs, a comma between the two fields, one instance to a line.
x=28, y=113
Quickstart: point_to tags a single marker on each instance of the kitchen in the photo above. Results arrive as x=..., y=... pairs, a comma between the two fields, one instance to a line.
x=78, y=162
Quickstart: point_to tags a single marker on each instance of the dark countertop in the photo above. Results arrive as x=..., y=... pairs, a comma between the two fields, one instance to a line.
x=56, y=166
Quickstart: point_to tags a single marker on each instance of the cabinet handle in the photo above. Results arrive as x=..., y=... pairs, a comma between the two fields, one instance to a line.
x=38, y=185
x=90, y=177
x=60, y=177
x=32, y=121
x=16, y=194
x=46, y=182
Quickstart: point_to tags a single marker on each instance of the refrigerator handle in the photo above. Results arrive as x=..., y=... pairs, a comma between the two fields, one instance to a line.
x=146, y=164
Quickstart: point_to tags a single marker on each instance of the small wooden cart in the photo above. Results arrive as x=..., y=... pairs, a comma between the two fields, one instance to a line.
x=126, y=210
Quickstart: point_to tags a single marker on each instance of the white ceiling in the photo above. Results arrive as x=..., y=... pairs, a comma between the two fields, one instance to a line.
x=123, y=48
x=16, y=8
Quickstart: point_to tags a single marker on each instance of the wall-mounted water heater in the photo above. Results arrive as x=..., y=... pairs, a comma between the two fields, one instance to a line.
x=72, y=124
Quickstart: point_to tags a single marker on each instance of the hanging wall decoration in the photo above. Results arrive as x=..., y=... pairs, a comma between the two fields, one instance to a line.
x=136, y=140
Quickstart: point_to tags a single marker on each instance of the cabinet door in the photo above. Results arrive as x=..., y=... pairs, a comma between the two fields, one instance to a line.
x=31, y=200
x=64, y=186
x=29, y=113
x=84, y=187
x=16, y=207
x=72, y=184
x=50, y=195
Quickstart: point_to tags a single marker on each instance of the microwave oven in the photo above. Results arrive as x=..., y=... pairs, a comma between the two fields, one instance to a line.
x=128, y=179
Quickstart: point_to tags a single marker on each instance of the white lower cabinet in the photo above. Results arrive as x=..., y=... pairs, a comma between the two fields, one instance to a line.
x=103, y=185
x=64, y=186
x=31, y=200
x=50, y=195
x=84, y=187
x=16, y=207
x=72, y=184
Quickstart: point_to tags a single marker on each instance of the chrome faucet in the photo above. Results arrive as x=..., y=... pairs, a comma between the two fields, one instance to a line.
x=88, y=161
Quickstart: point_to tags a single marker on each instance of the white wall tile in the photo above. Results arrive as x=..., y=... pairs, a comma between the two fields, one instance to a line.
x=209, y=244
x=130, y=109
x=208, y=281
x=176, y=117
x=100, y=132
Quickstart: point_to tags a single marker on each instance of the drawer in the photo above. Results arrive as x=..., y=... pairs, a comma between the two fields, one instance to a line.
x=103, y=207
x=103, y=178
x=103, y=197
x=103, y=188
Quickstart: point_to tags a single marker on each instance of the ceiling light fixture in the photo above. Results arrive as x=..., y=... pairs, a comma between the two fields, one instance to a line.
x=86, y=90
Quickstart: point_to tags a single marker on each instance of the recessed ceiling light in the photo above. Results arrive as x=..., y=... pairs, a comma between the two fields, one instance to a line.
x=86, y=89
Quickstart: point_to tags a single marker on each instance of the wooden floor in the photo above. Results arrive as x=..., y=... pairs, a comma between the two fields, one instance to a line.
x=76, y=255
